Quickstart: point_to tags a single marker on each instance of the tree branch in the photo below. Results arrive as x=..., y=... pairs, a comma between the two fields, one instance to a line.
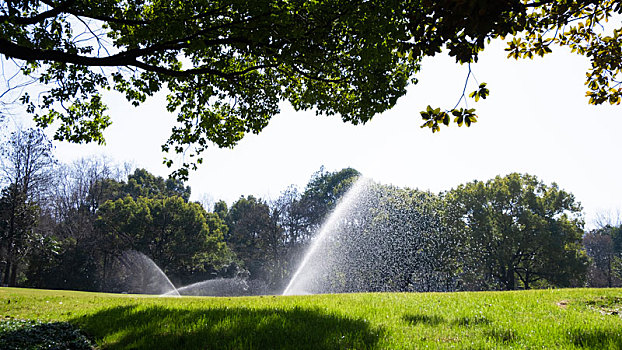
x=314, y=77
x=55, y=11
x=539, y=3
x=97, y=17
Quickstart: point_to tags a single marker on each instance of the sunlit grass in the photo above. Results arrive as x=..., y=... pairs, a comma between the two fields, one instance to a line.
x=562, y=319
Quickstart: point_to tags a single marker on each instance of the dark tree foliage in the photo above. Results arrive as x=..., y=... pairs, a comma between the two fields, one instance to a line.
x=517, y=232
x=26, y=160
x=228, y=64
x=180, y=237
x=256, y=238
x=323, y=192
x=77, y=192
x=604, y=247
x=391, y=240
x=144, y=184
x=99, y=218
x=507, y=233
x=18, y=218
x=295, y=223
x=221, y=209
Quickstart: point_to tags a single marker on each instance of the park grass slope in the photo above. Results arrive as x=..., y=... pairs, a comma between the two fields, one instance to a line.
x=550, y=319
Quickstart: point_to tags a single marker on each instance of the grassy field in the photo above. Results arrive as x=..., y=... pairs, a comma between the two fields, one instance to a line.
x=548, y=319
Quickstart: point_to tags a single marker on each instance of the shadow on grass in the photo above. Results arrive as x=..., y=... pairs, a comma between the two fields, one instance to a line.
x=430, y=320
x=467, y=321
x=596, y=338
x=480, y=322
x=434, y=320
x=502, y=335
x=136, y=327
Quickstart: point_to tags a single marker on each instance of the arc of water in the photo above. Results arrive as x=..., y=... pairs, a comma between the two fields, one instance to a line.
x=178, y=291
x=214, y=287
x=173, y=291
x=344, y=204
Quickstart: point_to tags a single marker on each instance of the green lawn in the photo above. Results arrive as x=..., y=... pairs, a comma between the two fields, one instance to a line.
x=558, y=318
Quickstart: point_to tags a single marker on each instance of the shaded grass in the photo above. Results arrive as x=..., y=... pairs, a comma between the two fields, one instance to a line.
x=551, y=319
x=227, y=328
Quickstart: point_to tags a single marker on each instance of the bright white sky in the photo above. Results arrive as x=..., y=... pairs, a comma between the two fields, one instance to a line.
x=536, y=120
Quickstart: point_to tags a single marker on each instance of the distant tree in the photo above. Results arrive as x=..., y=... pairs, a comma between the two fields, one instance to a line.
x=605, y=251
x=518, y=232
x=139, y=183
x=323, y=192
x=18, y=219
x=393, y=240
x=78, y=190
x=221, y=209
x=144, y=184
x=291, y=215
x=383, y=239
x=84, y=193
x=180, y=237
x=257, y=239
x=26, y=161
x=300, y=215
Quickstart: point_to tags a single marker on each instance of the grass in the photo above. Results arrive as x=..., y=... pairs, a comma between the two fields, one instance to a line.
x=558, y=318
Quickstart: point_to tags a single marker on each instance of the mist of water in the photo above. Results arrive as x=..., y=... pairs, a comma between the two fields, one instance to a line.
x=308, y=267
x=139, y=274
x=378, y=238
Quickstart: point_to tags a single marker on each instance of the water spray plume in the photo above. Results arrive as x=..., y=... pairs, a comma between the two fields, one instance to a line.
x=298, y=282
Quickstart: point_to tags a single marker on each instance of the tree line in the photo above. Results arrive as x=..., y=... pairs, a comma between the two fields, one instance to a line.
x=67, y=226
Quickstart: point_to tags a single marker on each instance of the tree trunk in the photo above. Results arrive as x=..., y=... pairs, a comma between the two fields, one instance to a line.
x=13, y=279
x=510, y=279
x=103, y=285
x=7, y=273
x=609, y=282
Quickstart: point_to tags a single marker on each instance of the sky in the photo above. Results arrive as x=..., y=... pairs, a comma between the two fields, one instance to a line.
x=536, y=120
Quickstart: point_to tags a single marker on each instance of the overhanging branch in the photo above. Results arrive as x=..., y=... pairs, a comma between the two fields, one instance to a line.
x=123, y=59
x=55, y=11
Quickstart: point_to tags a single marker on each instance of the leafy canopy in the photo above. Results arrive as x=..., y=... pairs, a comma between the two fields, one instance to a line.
x=516, y=228
x=227, y=64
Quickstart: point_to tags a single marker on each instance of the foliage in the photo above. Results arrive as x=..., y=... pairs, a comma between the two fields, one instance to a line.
x=26, y=160
x=391, y=239
x=323, y=192
x=180, y=237
x=76, y=192
x=98, y=217
x=517, y=227
x=550, y=319
x=140, y=183
x=511, y=232
x=269, y=239
x=533, y=27
x=144, y=184
x=18, y=218
x=604, y=247
x=256, y=239
x=34, y=335
x=226, y=64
